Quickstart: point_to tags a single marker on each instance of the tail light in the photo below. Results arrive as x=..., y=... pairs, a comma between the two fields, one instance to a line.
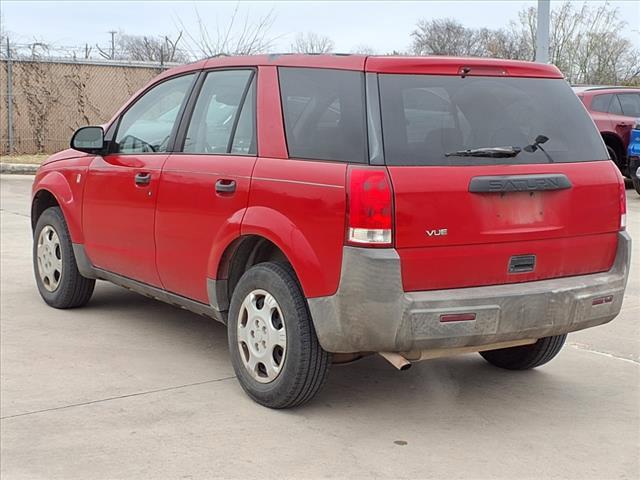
x=623, y=203
x=370, y=208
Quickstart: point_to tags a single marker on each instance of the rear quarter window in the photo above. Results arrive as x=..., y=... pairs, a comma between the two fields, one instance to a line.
x=424, y=117
x=324, y=114
x=630, y=104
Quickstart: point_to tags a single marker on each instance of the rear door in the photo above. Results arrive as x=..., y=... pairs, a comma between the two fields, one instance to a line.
x=204, y=187
x=465, y=221
x=122, y=187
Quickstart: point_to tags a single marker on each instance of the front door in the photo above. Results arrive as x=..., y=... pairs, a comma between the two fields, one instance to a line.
x=121, y=188
x=204, y=188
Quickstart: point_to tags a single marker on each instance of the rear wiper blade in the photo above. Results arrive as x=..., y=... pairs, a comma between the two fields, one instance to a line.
x=491, y=152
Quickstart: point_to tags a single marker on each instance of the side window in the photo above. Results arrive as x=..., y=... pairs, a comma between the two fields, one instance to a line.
x=600, y=103
x=630, y=103
x=614, y=106
x=215, y=116
x=146, y=127
x=324, y=114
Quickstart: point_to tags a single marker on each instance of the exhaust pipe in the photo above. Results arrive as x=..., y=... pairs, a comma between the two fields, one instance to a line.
x=396, y=360
x=402, y=361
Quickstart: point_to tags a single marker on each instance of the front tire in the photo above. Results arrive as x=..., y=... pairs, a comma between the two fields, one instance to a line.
x=57, y=277
x=526, y=356
x=274, y=349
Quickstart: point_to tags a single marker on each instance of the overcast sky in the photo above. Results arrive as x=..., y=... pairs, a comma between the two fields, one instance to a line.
x=384, y=25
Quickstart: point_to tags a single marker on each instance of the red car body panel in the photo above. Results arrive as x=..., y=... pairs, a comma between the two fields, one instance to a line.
x=271, y=139
x=452, y=66
x=300, y=206
x=194, y=223
x=174, y=233
x=118, y=217
x=62, y=183
x=440, y=268
x=486, y=230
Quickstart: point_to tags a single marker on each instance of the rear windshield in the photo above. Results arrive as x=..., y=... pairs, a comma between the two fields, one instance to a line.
x=426, y=116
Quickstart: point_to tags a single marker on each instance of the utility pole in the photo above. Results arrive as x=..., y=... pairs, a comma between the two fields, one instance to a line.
x=113, y=44
x=542, y=32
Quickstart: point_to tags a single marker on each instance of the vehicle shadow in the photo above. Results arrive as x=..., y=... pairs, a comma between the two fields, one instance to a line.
x=454, y=388
x=134, y=310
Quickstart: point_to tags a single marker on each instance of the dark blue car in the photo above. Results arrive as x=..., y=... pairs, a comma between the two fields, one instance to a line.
x=633, y=154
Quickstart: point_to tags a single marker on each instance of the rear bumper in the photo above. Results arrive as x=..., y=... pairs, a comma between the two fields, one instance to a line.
x=371, y=313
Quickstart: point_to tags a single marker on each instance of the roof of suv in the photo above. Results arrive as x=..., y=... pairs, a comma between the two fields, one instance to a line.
x=581, y=89
x=386, y=64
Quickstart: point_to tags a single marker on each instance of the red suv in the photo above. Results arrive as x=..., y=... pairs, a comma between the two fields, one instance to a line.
x=326, y=207
x=614, y=111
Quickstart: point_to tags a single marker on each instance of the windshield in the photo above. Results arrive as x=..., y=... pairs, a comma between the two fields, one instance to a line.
x=424, y=117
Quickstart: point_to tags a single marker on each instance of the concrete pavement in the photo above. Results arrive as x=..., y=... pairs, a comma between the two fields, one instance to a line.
x=132, y=388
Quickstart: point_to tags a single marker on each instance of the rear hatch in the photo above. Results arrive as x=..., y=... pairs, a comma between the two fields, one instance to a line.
x=510, y=215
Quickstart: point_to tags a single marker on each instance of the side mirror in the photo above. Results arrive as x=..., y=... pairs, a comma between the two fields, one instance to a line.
x=88, y=139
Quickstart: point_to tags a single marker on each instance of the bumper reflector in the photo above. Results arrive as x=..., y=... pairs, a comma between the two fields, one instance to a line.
x=457, y=317
x=602, y=300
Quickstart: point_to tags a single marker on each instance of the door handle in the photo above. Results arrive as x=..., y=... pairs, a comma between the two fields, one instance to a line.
x=225, y=186
x=143, y=178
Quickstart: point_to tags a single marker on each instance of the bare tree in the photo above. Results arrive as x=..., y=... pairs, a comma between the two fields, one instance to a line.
x=443, y=36
x=153, y=49
x=124, y=46
x=363, y=49
x=240, y=35
x=312, y=43
x=585, y=42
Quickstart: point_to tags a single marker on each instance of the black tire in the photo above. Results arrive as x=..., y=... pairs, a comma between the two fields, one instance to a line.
x=306, y=365
x=526, y=356
x=73, y=290
x=612, y=154
x=615, y=157
x=636, y=183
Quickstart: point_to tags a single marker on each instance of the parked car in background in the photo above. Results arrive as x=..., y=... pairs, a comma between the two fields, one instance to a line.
x=614, y=111
x=326, y=207
x=633, y=153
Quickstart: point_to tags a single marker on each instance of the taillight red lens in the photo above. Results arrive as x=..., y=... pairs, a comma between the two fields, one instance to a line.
x=623, y=203
x=370, y=214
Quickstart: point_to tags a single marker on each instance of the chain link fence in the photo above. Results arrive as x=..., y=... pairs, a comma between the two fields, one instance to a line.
x=44, y=100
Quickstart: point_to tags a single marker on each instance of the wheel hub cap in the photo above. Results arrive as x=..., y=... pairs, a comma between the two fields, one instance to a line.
x=262, y=337
x=49, y=256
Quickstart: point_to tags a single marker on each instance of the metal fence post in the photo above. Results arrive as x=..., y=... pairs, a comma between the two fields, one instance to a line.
x=9, y=98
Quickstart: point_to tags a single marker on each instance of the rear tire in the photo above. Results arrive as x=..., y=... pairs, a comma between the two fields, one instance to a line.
x=636, y=183
x=274, y=349
x=526, y=356
x=57, y=277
